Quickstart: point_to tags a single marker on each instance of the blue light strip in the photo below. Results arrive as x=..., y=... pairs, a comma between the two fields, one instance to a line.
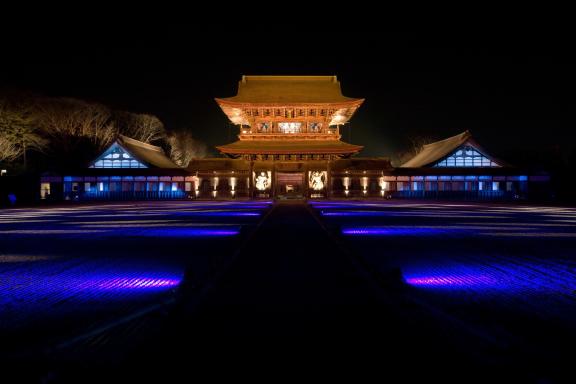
x=390, y=231
x=218, y=213
x=187, y=232
x=356, y=213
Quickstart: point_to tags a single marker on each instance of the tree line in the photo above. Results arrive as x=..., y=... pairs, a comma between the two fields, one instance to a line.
x=61, y=130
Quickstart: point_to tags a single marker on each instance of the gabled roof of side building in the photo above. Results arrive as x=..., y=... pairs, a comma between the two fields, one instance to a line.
x=432, y=153
x=148, y=154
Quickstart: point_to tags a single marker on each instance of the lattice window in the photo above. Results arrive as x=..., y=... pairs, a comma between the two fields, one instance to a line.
x=315, y=127
x=117, y=157
x=289, y=127
x=264, y=127
x=467, y=156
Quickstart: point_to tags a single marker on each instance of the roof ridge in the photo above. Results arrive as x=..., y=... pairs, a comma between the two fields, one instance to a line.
x=437, y=150
x=330, y=78
x=140, y=143
x=465, y=133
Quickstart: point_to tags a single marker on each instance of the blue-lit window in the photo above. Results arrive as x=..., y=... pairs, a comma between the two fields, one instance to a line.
x=417, y=186
x=117, y=157
x=466, y=156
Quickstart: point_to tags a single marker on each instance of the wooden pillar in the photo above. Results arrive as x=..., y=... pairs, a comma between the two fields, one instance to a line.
x=251, y=179
x=305, y=183
x=329, y=177
x=274, y=179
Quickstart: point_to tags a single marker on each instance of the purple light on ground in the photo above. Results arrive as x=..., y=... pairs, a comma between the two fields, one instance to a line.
x=379, y=231
x=134, y=283
x=453, y=281
x=47, y=289
x=491, y=275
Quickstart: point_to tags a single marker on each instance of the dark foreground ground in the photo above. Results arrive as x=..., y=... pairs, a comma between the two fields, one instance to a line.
x=382, y=291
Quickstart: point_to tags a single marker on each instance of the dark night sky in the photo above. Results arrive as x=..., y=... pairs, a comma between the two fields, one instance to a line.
x=511, y=103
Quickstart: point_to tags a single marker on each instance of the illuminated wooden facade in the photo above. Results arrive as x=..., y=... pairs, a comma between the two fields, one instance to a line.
x=289, y=132
x=289, y=118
